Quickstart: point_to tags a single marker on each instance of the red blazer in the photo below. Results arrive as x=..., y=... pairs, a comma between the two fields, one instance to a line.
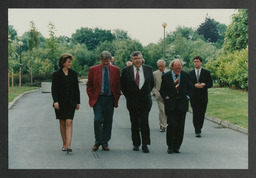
x=95, y=80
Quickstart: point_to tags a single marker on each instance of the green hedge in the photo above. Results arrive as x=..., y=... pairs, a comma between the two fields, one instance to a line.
x=37, y=79
x=230, y=69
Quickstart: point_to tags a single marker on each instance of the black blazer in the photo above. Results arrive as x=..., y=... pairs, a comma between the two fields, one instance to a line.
x=136, y=97
x=65, y=89
x=176, y=99
x=201, y=93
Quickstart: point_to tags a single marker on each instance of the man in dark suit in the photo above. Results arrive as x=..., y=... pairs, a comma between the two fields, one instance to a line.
x=137, y=81
x=104, y=90
x=201, y=80
x=176, y=89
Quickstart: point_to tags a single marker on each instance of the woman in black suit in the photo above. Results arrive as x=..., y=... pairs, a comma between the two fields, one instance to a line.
x=66, y=98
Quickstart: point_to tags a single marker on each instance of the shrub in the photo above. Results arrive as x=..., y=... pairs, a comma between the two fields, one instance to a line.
x=230, y=69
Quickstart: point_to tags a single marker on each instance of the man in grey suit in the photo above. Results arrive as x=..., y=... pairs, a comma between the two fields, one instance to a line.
x=137, y=82
x=158, y=80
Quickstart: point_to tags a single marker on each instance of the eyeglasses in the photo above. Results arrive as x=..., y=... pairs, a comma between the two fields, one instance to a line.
x=136, y=58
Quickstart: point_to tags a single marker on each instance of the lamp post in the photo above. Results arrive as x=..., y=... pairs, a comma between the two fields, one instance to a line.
x=164, y=25
x=20, y=44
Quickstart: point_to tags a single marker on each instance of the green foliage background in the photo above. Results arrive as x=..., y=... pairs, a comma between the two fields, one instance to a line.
x=223, y=49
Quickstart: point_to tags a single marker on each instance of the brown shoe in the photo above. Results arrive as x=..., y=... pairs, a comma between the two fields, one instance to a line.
x=105, y=148
x=95, y=147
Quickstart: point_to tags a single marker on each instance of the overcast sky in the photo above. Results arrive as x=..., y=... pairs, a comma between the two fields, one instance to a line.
x=144, y=25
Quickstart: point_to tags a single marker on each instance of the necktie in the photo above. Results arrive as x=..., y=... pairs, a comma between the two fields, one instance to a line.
x=197, y=75
x=138, y=78
x=162, y=73
x=176, y=83
x=106, y=82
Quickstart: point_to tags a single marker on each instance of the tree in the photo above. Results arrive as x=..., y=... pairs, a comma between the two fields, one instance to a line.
x=76, y=66
x=12, y=57
x=105, y=46
x=83, y=55
x=52, y=45
x=221, y=30
x=121, y=35
x=237, y=32
x=152, y=53
x=209, y=30
x=124, y=50
x=92, y=37
x=12, y=32
x=33, y=41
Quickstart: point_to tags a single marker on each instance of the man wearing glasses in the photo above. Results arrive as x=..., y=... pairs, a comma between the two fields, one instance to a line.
x=137, y=81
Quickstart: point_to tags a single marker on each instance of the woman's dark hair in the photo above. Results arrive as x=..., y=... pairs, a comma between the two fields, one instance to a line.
x=64, y=58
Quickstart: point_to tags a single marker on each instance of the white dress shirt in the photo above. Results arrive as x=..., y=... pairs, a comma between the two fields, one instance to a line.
x=142, y=78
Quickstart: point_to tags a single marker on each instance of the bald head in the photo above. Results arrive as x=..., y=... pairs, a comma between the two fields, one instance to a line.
x=176, y=66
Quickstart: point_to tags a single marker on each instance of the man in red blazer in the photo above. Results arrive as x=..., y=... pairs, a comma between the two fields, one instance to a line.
x=104, y=90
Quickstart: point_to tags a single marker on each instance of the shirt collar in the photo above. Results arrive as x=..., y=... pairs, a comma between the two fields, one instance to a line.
x=135, y=69
x=174, y=73
x=104, y=67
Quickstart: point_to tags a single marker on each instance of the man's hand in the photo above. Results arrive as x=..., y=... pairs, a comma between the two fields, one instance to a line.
x=199, y=85
x=77, y=107
x=56, y=105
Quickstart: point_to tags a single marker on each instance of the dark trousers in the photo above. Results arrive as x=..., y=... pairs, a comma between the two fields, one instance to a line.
x=199, y=109
x=139, y=119
x=175, y=128
x=103, y=118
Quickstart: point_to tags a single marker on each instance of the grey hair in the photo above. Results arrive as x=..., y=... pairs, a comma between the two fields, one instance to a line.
x=136, y=53
x=161, y=60
x=177, y=60
x=105, y=55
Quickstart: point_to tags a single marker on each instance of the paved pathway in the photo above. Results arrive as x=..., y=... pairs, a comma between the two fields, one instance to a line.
x=35, y=141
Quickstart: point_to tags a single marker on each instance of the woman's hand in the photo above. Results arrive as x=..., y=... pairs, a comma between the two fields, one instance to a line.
x=77, y=106
x=56, y=105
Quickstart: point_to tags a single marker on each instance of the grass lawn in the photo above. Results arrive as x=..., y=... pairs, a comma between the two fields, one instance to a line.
x=17, y=91
x=228, y=105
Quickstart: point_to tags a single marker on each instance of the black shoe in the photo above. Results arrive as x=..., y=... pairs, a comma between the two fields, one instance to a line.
x=105, y=148
x=145, y=148
x=162, y=129
x=69, y=150
x=95, y=147
x=169, y=150
x=136, y=148
x=176, y=151
x=198, y=135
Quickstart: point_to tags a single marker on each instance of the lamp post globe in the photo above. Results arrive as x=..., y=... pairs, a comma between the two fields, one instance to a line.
x=164, y=25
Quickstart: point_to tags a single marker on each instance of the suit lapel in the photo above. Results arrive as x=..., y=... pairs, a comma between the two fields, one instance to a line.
x=99, y=73
x=145, y=75
x=171, y=80
x=111, y=75
x=201, y=75
x=131, y=74
x=194, y=76
x=181, y=79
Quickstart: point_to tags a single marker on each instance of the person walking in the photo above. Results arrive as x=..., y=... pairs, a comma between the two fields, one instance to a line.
x=66, y=98
x=137, y=82
x=158, y=80
x=201, y=80
x=104, y=90
x=176, y=90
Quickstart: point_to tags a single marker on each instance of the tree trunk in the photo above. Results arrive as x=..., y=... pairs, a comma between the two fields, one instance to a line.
x=8, y=79
x=31, y=76
x=12, y=80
